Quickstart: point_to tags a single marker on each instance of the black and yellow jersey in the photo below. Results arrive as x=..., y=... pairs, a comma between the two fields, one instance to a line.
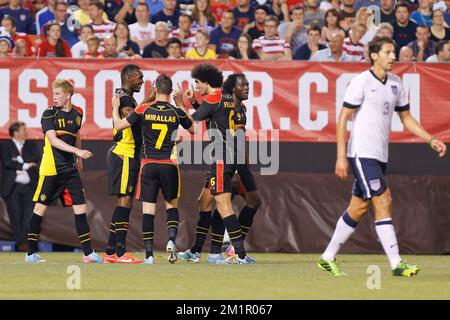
x=127, y=142
x=67, y=126
x=240, y=118
x=159, y=120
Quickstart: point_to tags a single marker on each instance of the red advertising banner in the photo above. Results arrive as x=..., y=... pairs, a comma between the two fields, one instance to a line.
x=299, y=99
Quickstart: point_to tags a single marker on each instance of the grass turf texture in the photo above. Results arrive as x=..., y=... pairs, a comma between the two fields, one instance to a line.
x=276, y=276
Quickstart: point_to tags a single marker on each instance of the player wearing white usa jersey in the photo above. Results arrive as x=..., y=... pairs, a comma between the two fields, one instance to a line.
x=371, y=99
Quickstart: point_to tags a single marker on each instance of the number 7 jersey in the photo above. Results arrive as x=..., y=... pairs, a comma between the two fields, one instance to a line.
x=159, y=120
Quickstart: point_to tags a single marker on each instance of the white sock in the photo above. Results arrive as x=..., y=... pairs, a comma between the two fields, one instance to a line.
x=386, y=234
x=344, y=229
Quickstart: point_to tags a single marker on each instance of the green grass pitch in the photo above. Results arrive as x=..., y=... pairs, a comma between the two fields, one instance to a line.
x=275, y=276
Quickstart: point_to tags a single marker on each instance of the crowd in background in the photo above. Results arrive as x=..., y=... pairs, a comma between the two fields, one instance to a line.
x=315, y=30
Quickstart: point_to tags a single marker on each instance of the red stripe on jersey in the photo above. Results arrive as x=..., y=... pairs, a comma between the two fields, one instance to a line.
x=79, y=110
x=138, y=187
x=148, y=160
x=141, y=108
x=219, y=175
x=214, y=98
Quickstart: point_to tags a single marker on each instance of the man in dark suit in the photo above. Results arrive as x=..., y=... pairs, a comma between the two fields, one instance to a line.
x=19, y=159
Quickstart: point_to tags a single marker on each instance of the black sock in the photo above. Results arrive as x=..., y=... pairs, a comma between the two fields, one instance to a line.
x=123, y=218
x=84, y=235
x=148, y=228
x=217, y=231
x=172, y=223
x=234, y=230
x=246, y=220
x=34, y=231
x=111, y=247
x=203, y=224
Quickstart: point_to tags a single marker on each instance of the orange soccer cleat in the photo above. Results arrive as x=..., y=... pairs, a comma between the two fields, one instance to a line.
x=109, y=258
x=128, y=258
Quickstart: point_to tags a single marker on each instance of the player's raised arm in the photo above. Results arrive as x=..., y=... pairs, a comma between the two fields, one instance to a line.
x=417, y=129
x=341, y=137
x=119, y=124
x=186, y=119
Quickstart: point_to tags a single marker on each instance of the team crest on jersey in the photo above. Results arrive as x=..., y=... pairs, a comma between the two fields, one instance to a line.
x=78, y=120
x=375, y=185
x=130, y=189
x=43, y=197
x=394, y=90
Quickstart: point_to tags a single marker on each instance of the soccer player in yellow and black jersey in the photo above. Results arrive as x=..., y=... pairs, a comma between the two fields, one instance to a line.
x=58, y=173
x=123, y=168
x=159, y=122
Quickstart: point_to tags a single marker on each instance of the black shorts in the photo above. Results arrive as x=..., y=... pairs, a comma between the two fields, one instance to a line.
x=247, y=179
x=122, y=173
x=156, y=174
x=66, y=186
x=220, y=176
x=369, y=177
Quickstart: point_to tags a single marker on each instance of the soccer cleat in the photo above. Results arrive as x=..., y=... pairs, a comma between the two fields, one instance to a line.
x=330, y=266
x=189, y=256
x=250, y=260
x=245, y=260
x=109, y=258
x=92, y=258
x=128, y=258
x=219, y=259
x=149, y=260
x=230, y=252
x=33, y=258
x=405, y=270
x=171, y=250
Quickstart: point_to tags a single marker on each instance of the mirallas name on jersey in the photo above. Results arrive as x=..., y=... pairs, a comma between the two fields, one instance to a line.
x=160, y=118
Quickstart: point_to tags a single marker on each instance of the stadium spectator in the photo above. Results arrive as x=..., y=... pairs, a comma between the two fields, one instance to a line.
x=385, y=30
x=313, y=15
x=53, y=45
x=306, y=51
x=19, y=159
x=270, y=46
x=352, y=44
x=422, y=16
x=93, y=48
x=330, y=4
x=9, y=23
x=365, y=3
x=438, y=30
x=157, y=49
x=406, y=55
x=35, y=6
x=447, y=13
x=348, y=14
x=142, y=32
x=422, y=47
x=168, y=14
x=69, y=30
x=243, y=13
x=331, y=25
x=203, y=16
x=22, y=16
x=20, y=48
x=294, y=32
x=103, y=28
x=124, y=43
x=387, y=12
x=201, y=50
x=82, y=14
x=364, y=16
x=244, y=50
x=255, y=29
x=121, y=12
x=218, y=7
x=184, y=33
x=404, y=28
x=79, y=48
x=174, y=49
x=110, y=52
x=334, y=52
x=44, y=16
x=154, y=6
x=6, y=45
x=224, y=37
x=279, y=8
x=442, y=53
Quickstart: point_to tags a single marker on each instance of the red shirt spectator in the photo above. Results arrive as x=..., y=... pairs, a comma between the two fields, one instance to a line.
x=54, y=45
x=9, y=23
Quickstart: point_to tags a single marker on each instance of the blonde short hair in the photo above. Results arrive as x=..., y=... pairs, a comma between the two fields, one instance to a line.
x=64, y=84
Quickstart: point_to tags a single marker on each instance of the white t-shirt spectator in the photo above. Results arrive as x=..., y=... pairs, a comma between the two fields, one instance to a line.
x=142, y=33
x=78, y=49
x=271, y=46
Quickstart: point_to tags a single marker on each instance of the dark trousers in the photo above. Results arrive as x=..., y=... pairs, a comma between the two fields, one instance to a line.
x=20, y=207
